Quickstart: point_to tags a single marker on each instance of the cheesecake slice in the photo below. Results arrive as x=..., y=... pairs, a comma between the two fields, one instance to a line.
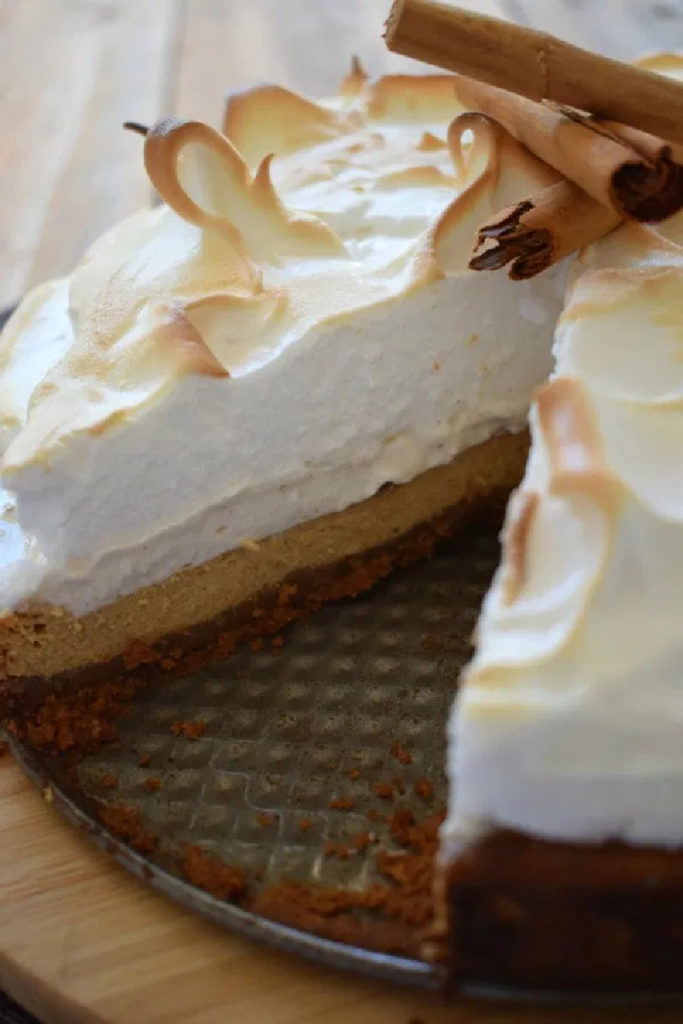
x=562, y=854
x=270, y=389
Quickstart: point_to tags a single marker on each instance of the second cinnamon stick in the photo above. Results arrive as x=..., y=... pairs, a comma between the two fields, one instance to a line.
x=536, y=64
x=627, y=170
x=542, y=230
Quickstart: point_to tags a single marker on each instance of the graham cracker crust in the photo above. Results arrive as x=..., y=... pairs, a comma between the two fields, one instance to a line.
x=392, y=916
x=78, y=709
x=521, y=911
x=52, y=664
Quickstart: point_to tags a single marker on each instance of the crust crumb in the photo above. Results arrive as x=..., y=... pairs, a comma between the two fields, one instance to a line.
x=207, y=872
x=125, y=822
x=398, y=751
x=332, y=849
x=424, y=789
x=190, y=730
x=342, y=803
x=139, y=654
x=391, y=916
x=361, y=841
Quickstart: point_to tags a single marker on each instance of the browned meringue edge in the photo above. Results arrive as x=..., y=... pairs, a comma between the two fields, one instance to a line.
x=164, y=144
x=571, y=436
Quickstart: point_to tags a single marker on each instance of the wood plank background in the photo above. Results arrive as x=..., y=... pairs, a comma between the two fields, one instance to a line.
x=79, y=939
x=71, y=71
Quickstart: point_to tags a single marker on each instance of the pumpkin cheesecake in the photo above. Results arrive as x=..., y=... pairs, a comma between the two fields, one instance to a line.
x=284, y=381
x=562, y=853
x=270, y=389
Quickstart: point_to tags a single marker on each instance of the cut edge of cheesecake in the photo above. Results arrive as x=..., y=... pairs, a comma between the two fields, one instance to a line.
x=519, y=911
x=201, y=613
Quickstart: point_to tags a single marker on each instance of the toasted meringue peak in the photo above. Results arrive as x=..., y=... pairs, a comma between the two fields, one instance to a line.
x=576, y=462
x=355, y=82
x=201, y=176
x=670, y=64
x=411, y=98
x=255, y=335
x=515, y=544
x=270, y=119
x=430, y=142
x=493, y=167
x=24, y=358
x=358, y=206
x=569, y=719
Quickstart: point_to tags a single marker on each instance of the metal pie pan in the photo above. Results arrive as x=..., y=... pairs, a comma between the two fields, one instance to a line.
x=313, y=717
x=316, y=717
x=228, y=915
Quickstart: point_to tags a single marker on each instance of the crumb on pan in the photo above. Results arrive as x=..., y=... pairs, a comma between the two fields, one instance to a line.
x=190, y=730
x=125, y=822
x=342, y=803
x=224, y=881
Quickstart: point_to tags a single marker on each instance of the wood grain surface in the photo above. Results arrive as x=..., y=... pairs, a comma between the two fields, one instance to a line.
x=79, y=939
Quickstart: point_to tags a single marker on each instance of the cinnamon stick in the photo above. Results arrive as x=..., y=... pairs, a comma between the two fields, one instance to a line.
x=630, y=171
x=536, y=65
x=542, y=230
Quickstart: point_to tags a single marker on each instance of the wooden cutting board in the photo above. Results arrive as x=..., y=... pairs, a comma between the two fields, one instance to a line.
x=82, y=941
x=79, y=939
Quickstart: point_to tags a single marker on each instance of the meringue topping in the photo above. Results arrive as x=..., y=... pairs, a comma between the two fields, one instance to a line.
x=569, y=720
x=260, y=348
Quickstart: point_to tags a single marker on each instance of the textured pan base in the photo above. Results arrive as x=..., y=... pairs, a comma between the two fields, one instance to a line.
x=524, y=912
x=255, y=590
x=314, y=758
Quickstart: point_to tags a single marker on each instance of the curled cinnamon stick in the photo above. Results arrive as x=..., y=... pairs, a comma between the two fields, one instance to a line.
x=542, y=230
x=538, y=65
x=629, y=171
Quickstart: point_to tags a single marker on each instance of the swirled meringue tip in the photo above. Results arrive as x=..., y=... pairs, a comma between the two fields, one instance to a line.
x=276, y=320
x=670, y=64
x=569, y=721
x=377, y=197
